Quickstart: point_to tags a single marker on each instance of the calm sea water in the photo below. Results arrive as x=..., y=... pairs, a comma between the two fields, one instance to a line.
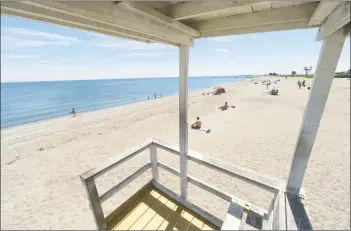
x=33, y=101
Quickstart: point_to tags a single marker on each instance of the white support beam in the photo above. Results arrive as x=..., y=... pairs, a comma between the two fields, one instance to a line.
x=322, y=81
x=322, y=11
x=257, y=29
x=190, y=9
x=275, y=16
x=104, y=14
x=337, y=19
x=183, y=118
x=154, y=14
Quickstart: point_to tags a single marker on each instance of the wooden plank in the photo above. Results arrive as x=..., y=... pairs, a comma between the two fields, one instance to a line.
x=322, y=11
x=68, y=20
x=279, y=221
x=105, y=13
x=196, y=224
x=109, y=193
x=322, y=81
x=94, y=203
x=115, y=217
x=183, y=118
x=184, y=220
x=255, y=178
x=303, y=24
x=153, y=159
x=297, y=217
x=188, y=10
x=153, y=209
x=137, y=213
x=224, y=195
x=76, y=25
x=252, y=177
x=336, y=20
x=156, y=15
x=207, y=216
x=158, y=220
x=115, y=161
x=281, y=15
x=233, y=218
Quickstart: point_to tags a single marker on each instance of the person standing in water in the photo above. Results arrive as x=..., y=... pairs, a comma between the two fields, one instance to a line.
x=73, y=112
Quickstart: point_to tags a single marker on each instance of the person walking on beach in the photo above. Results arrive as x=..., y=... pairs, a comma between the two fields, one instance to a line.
x=73, y=112
x=268, y=83
x=155, y=95
x=299, y=83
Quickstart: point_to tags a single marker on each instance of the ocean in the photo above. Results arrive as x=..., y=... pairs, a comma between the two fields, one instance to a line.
x=26, y=102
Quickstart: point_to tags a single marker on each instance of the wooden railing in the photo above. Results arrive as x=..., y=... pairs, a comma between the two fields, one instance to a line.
x=95, y=200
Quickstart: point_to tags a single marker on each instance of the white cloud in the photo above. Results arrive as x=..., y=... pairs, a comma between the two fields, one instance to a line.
x=35, y=33
x=7, y=41
x=144, y=54
x=222, y=50
x=5, y=57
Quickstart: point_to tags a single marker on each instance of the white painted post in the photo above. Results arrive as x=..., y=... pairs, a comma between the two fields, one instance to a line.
x=95, y=204
x=322, y=81
x=183, y=118
x=153, y=159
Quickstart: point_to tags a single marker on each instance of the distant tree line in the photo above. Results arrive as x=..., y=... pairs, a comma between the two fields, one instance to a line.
x=275, y=74
x=343, y=74
x=307, y=69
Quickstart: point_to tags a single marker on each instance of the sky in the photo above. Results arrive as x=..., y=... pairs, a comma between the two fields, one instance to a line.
x=36, y=51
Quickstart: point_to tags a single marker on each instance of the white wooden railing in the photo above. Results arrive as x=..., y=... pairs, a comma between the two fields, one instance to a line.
x=267, y=183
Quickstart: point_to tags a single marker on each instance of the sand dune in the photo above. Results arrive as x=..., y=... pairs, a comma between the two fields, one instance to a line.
x=41, y=162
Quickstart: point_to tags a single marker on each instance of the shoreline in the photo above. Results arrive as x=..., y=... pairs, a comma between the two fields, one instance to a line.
x=108, y=107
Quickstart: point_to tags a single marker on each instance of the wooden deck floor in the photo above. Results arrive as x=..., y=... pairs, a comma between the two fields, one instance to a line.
x=150, y=209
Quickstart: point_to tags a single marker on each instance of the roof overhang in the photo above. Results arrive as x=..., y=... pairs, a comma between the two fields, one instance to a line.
x=179, y=23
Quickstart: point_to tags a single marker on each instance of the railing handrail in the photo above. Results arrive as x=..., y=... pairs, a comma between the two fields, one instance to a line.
x=115, y=161
x=250, y=176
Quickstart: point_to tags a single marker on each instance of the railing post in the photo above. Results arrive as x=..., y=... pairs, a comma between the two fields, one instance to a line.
x=183, y=118
x=95, y=204
x=153, y=160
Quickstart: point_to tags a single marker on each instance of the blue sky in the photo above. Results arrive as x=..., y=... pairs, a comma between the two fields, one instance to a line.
x=35, y=51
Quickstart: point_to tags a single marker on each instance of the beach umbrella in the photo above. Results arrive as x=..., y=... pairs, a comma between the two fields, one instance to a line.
x=218, y=87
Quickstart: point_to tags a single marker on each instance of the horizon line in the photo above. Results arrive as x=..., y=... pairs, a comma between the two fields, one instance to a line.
x=36, y=81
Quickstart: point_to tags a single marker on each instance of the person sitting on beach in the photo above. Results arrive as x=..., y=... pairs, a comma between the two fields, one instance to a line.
x=73, y=112
x=197, y=124
x=225, y=107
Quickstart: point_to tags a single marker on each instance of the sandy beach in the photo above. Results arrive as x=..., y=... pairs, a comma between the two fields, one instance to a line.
x=41, y=162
